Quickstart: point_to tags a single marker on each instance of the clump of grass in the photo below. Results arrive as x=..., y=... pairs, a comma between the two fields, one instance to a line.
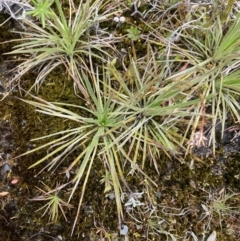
x=219, y=78
x=220, y=206
x=205, y=54
x=62, y=40
x=155, y=109
x=97, y=129
x=141, y=113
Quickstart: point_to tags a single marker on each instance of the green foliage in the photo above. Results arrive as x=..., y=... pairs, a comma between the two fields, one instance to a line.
x=111, y=121
x=41, y=10
x=152, y=113
x=62, y=41
x=133, y=33
x=97, y=130
x=214, y=72
x=143, y=115
x=220, y=206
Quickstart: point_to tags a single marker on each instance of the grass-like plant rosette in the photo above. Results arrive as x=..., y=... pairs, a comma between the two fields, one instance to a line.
x=133, y=114
x=62, y=40
x=210, y=71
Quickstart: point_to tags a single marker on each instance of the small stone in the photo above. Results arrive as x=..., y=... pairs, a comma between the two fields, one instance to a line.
x=124, y=230
x=111, y=196
x=6, y=168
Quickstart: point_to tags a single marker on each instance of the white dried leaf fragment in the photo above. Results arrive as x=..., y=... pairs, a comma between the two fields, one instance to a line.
x=212, y=236
x=205, y=208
